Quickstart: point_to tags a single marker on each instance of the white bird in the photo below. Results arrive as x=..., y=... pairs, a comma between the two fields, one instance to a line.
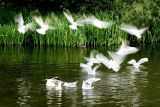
x=137, y=64
x=96, y=22
x=72, y=84
x=113, y=63
x=44, y=25
x=133, y=30
x=87, y=84
x=21, y=27
x=92, y=58
x=53, y=82
x=69, y=17
x=87, y=68
x=59, y=85
x=125, y=49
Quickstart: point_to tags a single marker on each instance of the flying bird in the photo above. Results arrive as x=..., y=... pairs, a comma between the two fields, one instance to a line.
x=124, y=50
x=96, y=22
x=92, y=58
x=113, y=63
x=88, y=69
x=133, y=30
x=44, y=25
x=21, y=27
x=69, y=17
x=137, y=64
x=87, y=84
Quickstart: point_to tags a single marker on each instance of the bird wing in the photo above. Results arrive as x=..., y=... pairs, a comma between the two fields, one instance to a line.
x=133, y=62
x=39, y=20
x=68, y=15
x=129, y=29
x=116, y=58
x=105, y=24
x=83, y=65
x=95, y=68
x=72, y=84
x=92, y=80
x=143, y=60
x=86, y=67
x=141, y=31
x=47, y=21
x=29, y=26
x=104, y=60
x=19, y=19
x=89, y=20
x=131, y=50
x=87, y=59
x=125, y=49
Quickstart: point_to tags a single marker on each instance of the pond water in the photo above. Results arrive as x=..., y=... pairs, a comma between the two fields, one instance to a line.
x=22, y=82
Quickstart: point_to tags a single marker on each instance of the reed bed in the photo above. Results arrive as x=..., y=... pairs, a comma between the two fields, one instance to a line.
x=63, y=36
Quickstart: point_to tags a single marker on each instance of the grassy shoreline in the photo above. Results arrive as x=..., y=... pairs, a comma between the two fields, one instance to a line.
x=63, y=36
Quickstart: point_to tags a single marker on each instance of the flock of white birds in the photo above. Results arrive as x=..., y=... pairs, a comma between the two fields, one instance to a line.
x=112, y=62
x=45, y=25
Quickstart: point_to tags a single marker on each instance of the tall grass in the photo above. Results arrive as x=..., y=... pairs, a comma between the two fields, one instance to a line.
x=63, y=36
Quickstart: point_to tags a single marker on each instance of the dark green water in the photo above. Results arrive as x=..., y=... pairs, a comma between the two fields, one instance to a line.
x=22, y=82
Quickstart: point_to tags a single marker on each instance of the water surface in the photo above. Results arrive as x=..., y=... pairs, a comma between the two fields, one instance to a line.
x=22, y=82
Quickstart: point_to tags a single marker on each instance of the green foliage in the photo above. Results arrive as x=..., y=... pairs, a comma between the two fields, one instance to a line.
x=141, y=13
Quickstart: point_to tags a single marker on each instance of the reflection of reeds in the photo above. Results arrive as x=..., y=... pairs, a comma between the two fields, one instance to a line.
x=63, y=36
x=41, y=55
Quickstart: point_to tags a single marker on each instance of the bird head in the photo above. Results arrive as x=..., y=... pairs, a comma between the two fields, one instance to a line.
x=45, y=76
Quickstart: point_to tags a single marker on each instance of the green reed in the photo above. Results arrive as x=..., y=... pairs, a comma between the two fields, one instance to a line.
x=64, y=36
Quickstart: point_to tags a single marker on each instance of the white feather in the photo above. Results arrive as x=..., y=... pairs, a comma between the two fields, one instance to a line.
x=96, y=22
x=72, y=84
x=113, y=63
x=87, y=84
x=21, y=27
x=87, y=68
x=92, y=58
x=137, y=64
x=69, y=17
x=133, y=30
x=44, y=25
x=124, y=50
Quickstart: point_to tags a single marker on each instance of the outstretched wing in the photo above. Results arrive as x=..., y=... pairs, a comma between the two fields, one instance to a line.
x=95, y=68
x=86, y=67
x=92, y=80
x=141, y=31
x=89, y=20
x=143, y=60
x=133, y=62
x=39, y=20
x=105, y=24
x=116, y=58
x=29, y=26
x=129, y=29
x=68, y=16
x=104, y=60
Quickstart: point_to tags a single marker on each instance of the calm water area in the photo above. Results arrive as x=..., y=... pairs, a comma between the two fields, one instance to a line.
x=22, y=82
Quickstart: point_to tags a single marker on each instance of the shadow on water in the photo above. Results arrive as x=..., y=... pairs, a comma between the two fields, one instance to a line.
x=22, y=82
